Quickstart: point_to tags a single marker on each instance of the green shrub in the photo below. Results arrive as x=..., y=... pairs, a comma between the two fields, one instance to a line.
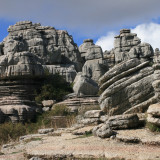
x=53, y=87
x=10, y=131
x=60, y=110
x=152, y=127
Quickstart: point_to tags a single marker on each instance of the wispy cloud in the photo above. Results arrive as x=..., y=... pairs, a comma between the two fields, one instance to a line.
x=148, y=32
x=106, y=42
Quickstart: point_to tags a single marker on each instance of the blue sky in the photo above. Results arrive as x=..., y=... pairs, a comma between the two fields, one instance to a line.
x=96, y=19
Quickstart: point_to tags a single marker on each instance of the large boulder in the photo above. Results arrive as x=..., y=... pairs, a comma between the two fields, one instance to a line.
x=125, y=121
x=93, y=68
x=102, y=131
x=85, y=86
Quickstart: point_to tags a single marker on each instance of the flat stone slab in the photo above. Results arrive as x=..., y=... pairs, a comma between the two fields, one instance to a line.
x=143, y=136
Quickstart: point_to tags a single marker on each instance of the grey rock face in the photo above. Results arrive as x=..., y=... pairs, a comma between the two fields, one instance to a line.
x=153, y=114
x=132, y=84
x=68, y=71
x=126, y=121
x=92, y=54
x=30, y=51
x=93, y=114
x=17, y=99
x=127, y=46
x=109, y=58
x=79, y=104
x=93, y=69
x=45, y=131
x=17, y=113
x=85, y=86
x=102, y=131
x=127, y=88
x=105, y=130
x=29, y=47
x=90, y=121
x=90, y=51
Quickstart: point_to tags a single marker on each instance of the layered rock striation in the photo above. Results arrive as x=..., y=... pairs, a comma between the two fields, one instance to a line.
x=93, y=68
x=132, y=84
x=27, y=54
x=31, y=48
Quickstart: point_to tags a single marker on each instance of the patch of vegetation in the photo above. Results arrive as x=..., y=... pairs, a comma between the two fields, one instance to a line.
x=12, y=132
x=85, y=108
x=53, y=87
x=33, y=139
x=16, y=152
x=152, y=127
x=59, y=110
x=87, y=134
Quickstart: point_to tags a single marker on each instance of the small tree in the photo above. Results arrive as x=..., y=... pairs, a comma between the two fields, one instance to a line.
x=53, y=87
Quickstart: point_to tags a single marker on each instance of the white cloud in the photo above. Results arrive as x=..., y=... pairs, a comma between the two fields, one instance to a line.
x=106, y=42
x=149, y=33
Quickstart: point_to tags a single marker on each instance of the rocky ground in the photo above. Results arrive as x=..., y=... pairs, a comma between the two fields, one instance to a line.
x=139, y=144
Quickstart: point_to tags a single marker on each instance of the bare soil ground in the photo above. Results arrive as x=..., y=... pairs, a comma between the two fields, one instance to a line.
x=75, y=146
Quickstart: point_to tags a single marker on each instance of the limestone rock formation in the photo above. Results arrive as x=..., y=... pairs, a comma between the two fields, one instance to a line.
x=79, y=105
x=132, y=84
x=93, y=68
x=28, y=53
x=17, y=101
x=92, y=54
x=118, y=122
x=30, y=46
x=85, y=86
x=90, y=51
x=126, y=121
x=93, y=114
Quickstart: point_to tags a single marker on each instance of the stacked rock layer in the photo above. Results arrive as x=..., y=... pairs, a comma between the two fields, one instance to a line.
x=93, y=68
x=132, y=84
x=27, y=53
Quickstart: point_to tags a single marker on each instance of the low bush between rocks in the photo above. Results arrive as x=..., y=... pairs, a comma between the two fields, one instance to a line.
x=152, y=127
x=53, y=87
x=11, y=132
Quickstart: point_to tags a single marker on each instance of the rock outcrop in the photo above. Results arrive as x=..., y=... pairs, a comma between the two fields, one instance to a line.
x=102, y=131
x=29, y=52
x=153, y=114
x=132, y=84
x=118, y=122
x=80, y=105
x=93, y=68
x=30, y=47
